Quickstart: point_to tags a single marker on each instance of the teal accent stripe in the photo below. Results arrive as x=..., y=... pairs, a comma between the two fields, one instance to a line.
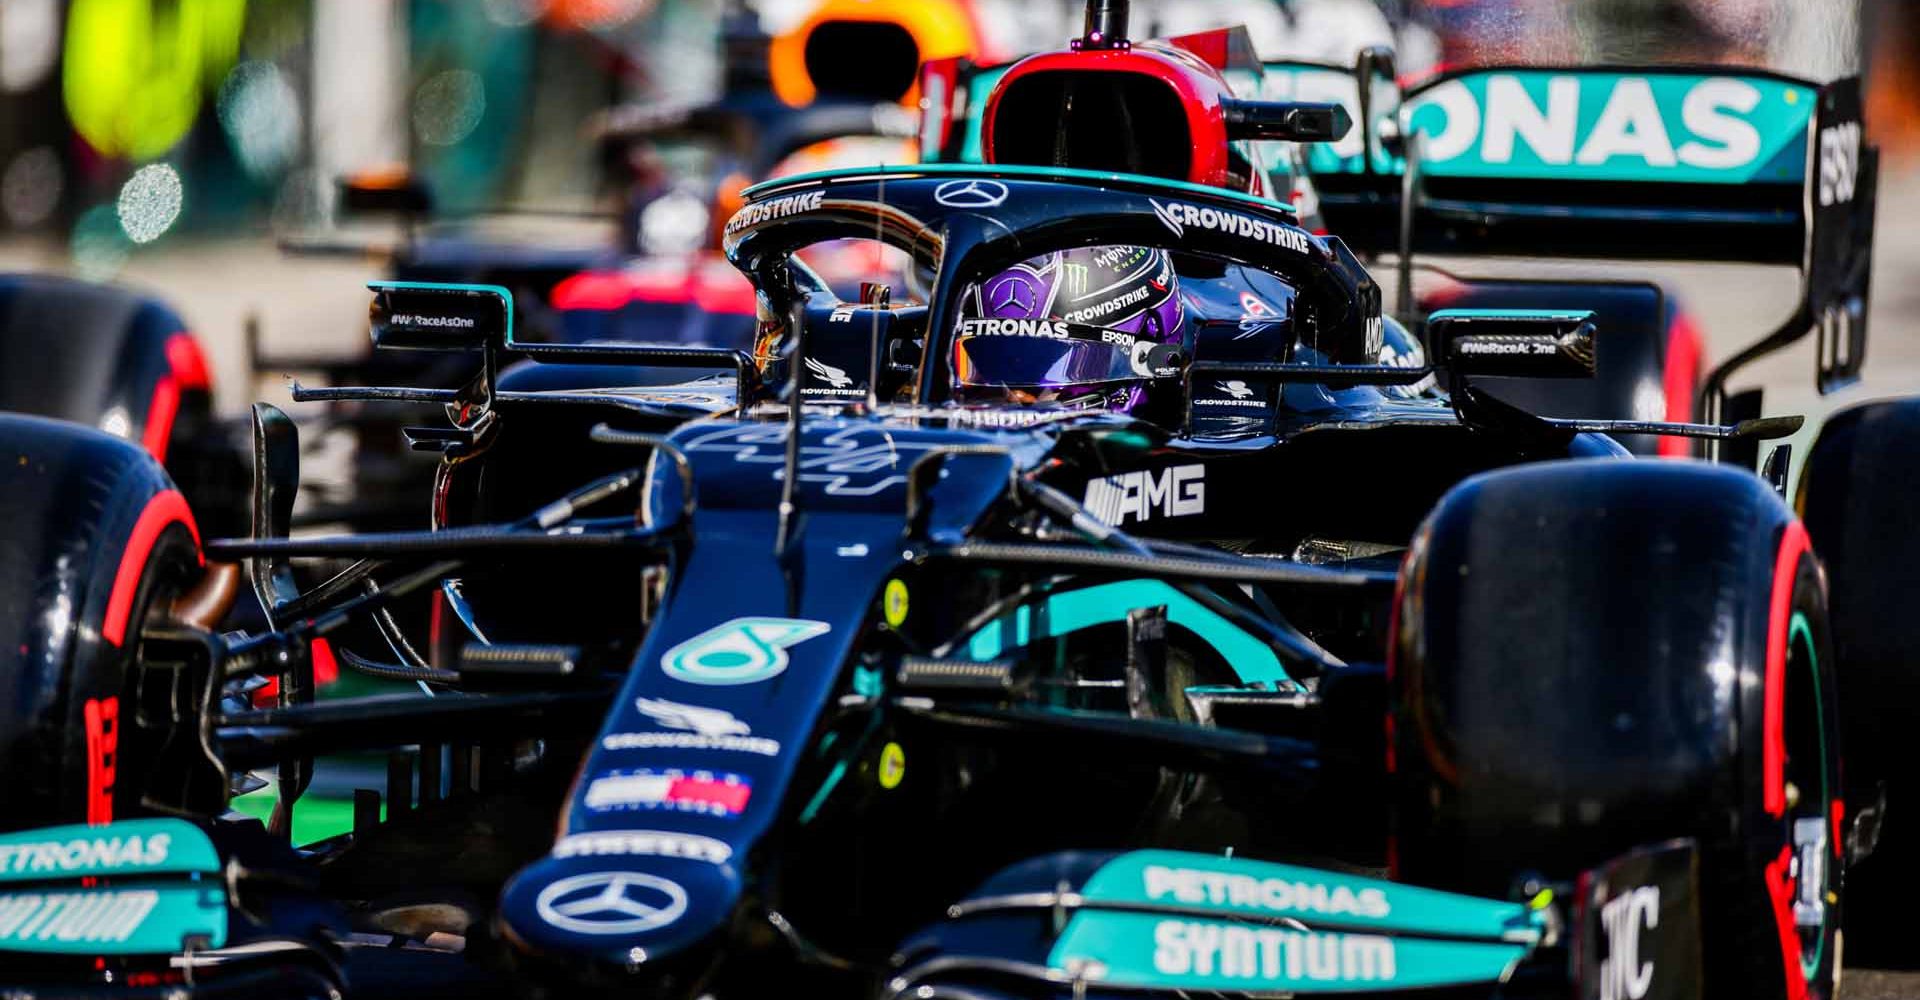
x=1070, y=611
x=1799, y=631
x=1555, y=314
x=129, y=847
x=1149, y=951
x=1054, y=174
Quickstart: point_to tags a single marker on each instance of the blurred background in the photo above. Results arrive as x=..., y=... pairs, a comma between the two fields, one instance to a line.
x=177, y=145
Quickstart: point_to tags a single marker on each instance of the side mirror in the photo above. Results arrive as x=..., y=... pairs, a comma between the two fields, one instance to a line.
x=1529, y=343
x=394, y=191
x=425, y=316
x=1286, y=121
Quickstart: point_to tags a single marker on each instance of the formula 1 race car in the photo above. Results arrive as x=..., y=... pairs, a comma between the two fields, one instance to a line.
x=947, y=646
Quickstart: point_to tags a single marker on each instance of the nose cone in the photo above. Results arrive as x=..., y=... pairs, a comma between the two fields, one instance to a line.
x=628, y=910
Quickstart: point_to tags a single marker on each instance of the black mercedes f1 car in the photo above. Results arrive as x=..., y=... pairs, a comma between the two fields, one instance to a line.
x=843, y=669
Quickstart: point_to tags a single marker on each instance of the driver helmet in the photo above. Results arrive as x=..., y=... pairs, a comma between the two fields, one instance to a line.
x=1084, y=328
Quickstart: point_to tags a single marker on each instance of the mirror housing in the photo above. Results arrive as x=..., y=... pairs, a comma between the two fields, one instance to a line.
x=428, y=316
x=1528, y=343
x=1286, y=121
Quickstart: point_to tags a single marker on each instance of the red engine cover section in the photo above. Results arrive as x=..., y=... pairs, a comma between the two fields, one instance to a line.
x=1166, y=120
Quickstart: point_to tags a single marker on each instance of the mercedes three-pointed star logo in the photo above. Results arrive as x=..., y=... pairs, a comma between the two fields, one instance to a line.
x=970, y=193
x=611, y=903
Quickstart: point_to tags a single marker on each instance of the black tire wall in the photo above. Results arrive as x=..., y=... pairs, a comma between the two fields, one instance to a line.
x=1592, y=656
x=91, y=534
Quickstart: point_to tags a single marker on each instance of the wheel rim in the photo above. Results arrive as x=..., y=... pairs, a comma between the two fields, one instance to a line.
x=1810, y=833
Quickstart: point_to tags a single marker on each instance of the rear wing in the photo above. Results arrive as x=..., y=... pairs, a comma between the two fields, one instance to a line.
x=1634, y=163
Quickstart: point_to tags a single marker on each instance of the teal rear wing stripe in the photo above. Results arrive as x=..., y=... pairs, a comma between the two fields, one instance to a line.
x=1638, y=163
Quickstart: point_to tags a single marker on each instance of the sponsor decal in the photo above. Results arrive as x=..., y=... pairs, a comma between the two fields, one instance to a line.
x=1637, y=925
x=1622, y=975
x=741, y=651
x=709, y=793
x=74, y=917
x=777, y=208
x=645, y=843
x=611, y=903
x=89, y=855
x=1839, y=163
x=1198, y=886
x=1414, y=356
x=1231, y=952
x=1073, y=277
x=1151, y=951
x=693, y=727
x=992, y=417
x=839, y=383
x=1239, y=395
x=410, y=319
x=852, y=461
x=1658, y=126
x=1507, y=345
x=1176, y=491
x=1101, y=310
x=1014, y=328
x=1178, y=215
x=1255, y=315
x=971, y=193
x=1119, y=258
x=1016, y=290
x=842, y=313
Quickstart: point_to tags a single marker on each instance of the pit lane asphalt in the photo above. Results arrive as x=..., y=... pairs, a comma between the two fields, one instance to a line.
x=315, y=305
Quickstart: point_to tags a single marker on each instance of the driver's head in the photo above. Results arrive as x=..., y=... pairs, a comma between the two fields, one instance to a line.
x=1080, y=328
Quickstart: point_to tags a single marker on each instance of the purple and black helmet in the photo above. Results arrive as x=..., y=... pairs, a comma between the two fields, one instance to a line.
x=1077, y=328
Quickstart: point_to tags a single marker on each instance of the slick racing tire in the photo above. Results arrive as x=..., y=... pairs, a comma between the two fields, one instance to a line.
x=125, y=363
x=1593, y=656
x=93, y=540
x=1856, y=495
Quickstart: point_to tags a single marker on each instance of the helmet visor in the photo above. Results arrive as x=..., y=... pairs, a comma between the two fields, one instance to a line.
x=1040, y=362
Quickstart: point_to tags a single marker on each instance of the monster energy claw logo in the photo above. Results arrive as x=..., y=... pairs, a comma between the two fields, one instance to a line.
x=742, y=651
x=1075, y=277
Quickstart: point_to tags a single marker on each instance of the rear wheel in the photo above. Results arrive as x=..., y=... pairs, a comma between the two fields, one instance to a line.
x=1590, y=657
x=1856, y=494
x=94, y=542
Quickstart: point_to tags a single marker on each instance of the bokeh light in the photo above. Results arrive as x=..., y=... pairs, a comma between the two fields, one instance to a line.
x=449, y=106
x=515, y=13
x=301, y=203
x=260, y=112
x=150, y=202
x=99, y=245
x=133, y=72
x=595, y=14
x=29, y=42
x=30, y=188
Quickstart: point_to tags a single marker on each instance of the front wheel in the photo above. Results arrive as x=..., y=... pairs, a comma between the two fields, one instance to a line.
x=1590, y=657
x=94, y=541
